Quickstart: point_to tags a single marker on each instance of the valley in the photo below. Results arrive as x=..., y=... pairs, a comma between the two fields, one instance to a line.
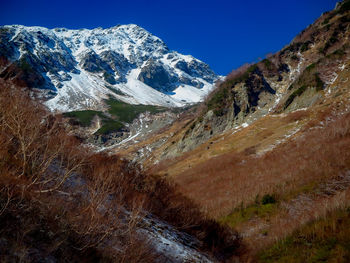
x=146, y=155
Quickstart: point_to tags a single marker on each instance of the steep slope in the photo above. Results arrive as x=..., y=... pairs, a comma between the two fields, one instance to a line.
x=77, y=69
x=304, y=74
x=268, y=151
x=62, y=202
x=300, y=75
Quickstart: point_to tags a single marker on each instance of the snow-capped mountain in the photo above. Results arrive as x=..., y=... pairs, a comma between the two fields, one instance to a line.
x=77, y=69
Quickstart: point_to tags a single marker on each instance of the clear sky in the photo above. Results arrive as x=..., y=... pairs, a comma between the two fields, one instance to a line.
x=222, y=33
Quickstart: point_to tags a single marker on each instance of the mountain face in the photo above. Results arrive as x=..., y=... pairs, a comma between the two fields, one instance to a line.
x=77, y=69
x=311, y=73
x=304, y=74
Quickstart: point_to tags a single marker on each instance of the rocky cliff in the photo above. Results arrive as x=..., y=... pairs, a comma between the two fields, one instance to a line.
x=298, y=76
x=78, y=69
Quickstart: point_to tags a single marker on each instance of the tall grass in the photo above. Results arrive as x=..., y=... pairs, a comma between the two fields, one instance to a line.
x=322, y=240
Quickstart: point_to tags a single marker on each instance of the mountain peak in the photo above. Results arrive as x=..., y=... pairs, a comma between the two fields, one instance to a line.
x=79, y=68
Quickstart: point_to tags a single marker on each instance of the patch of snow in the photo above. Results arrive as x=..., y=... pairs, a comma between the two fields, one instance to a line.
x=185, y=94
x=83, y=91
x=296, y=71
x=278, y=142
x=86, y=90
x=240, y=127
x=176, y=246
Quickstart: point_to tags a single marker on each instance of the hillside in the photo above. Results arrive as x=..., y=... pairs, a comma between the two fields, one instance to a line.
x=311, y=70
x=276, y=130
x=62, y=202
x=299, y=76
x=155, y=158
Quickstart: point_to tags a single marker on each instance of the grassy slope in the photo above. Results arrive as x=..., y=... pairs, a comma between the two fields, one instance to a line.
x=260, y=136
x=120, y=113
x=60, y=213
x=323, y=240
x=84, y=118
x=127, y=112
x=225, y=171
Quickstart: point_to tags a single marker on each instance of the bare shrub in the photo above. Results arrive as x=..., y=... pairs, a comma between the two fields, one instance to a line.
x=238, y=72
x=92, y=202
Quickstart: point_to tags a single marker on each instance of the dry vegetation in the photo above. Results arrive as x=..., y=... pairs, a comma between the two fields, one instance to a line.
x=317, y=155
x=307, y=174
x=40, y=167
x=322, y=240
x=255, y=138
x=60, y=200
x=300, y=159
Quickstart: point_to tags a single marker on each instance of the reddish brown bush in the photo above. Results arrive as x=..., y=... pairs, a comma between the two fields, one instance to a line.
x=97, y=200
x=238, y=72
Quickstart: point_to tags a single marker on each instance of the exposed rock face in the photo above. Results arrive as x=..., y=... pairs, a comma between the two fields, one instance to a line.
x=7, y=50
x=154, y=75
x=195, y=69
x=296, y=77
x=92, y=63
x=118, y=63
x=26, y=72
x=73, y=67
x=110, y=138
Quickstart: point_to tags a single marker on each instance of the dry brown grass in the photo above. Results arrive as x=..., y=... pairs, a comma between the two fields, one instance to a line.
x=258, y=136
x=82, y=196
x=223, y=182
x=49, y=174
x=260, y=233
x=317, y=156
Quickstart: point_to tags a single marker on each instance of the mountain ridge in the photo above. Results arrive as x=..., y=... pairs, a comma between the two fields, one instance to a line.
x=298, y=76
x=125, y=61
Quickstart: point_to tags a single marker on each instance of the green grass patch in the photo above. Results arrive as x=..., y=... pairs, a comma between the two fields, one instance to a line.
x=120, y=112
x=267, y=63
x=218, y=100
x=323, y=240
x=295, y=94
x=240, y=215
x=241, y=78
x=110, y=126
x=124, y=112
x=309, y=78
x=84, y=118
x=319, y=82
x=264, y=208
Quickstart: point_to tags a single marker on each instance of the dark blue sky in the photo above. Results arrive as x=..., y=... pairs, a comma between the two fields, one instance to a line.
x=222, y=33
